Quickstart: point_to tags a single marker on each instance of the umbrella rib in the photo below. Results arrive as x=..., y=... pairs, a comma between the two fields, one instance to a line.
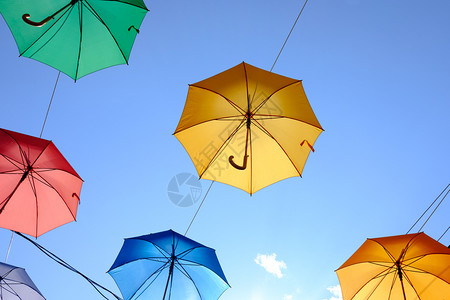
x=222, y=147
x=227, y=118
x=276, y=91
x=14, y=162
x=234, y=105
x=130, y=4
x=264, y=130
x=80, y=20
x=13, y=292
x=185, y=273
x=94, y=12
x=54, y=24
x=283, y=117
x=42, y=180
x=159, y=270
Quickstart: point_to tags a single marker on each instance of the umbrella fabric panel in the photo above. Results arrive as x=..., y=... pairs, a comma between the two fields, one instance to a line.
x=135, y=249
x=165, y=239
x=244, y=84
x=145, y=272
x=204, y=105
x=19, y=149
x=203, y=143
x=289, y=102
x=207, y=283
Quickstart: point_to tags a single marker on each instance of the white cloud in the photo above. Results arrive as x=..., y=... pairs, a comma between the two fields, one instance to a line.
x=271, y=264
x=336, y=291
x=288, y=297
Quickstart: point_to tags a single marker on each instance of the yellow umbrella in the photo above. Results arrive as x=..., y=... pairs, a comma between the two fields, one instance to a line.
x=403, y=267
x=248, y=127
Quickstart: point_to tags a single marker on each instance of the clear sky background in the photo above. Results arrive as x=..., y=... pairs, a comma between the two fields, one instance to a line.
x=377, y=76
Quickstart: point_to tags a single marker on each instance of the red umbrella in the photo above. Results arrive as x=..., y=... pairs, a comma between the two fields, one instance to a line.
x=39, y=190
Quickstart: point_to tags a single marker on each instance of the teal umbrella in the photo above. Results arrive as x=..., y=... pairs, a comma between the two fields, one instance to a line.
x=77, y=37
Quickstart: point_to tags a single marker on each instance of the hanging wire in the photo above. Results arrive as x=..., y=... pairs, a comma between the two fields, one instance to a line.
x=444, y=234
x=9, y=248
x=50, y=104
x=443, y=191
x=60, y=261
x=440, y=202
x=282, y=47
x=40, y=136
x=199, y=207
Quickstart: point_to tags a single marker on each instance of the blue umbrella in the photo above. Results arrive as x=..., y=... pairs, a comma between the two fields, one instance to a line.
x=167, y=265
x=15, y=284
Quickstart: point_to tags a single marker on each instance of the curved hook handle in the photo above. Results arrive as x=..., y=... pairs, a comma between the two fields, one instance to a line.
x=310, y=146
x=132, y=26
x=75, y=195
x=26, y=18
x=244, y=164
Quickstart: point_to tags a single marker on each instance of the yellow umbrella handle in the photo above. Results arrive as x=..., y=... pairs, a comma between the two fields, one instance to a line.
x=26, y=17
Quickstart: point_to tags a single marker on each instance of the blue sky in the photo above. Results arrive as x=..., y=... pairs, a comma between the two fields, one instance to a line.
x=376, y=74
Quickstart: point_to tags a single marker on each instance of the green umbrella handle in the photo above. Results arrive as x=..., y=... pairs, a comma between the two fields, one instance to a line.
x=26, y=17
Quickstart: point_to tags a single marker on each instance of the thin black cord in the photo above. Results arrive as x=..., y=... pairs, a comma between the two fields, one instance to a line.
x=428, y=208
x=443, y=234
x=288, y=35
x=60, y=261
x=440, y=202
x=50, y=104
x=198, y=208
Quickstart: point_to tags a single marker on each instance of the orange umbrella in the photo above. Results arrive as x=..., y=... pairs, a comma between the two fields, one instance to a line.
x=39, y=190
x=407, y=267
x=248, y=127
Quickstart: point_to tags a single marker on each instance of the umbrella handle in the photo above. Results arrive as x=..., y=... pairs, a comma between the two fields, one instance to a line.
x=244, y=164
x=310, y=146
x=26, y=17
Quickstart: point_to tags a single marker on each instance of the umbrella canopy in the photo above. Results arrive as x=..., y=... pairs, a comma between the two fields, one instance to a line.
x=167, y=265
x=407, y=267
x=39, y=189
x=77, y=37
x=15, y=284
x=248, y=127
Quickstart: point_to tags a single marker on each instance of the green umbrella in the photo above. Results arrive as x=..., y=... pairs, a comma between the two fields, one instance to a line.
x=77, y=37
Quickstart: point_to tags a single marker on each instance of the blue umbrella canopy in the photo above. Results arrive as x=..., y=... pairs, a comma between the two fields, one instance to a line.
x=167, y=265
x=15, y=284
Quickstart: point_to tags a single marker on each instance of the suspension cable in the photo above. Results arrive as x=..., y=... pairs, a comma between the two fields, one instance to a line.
x=443, y=191
x=199, y=208
x=282, y=47
x=60, y=261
